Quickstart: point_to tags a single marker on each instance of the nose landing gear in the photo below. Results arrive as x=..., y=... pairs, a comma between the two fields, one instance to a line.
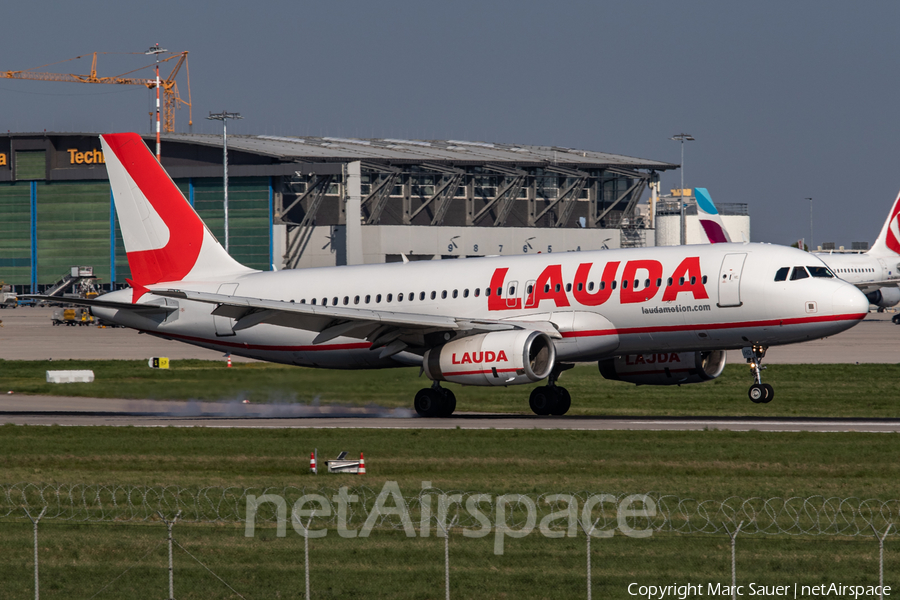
x=551, y=399
x=760, y=392
x=435, y=401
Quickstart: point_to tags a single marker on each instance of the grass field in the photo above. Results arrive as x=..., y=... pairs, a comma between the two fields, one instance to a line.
x=868, y=391
x=78, y=559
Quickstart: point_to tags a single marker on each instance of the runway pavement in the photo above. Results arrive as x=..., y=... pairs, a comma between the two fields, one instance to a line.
x=56, y=410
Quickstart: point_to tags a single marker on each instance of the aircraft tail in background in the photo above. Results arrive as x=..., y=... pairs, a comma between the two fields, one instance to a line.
x=888, y=242
x=709, y=217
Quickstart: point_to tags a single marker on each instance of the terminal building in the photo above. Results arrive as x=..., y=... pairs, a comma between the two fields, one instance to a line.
x=298, y=202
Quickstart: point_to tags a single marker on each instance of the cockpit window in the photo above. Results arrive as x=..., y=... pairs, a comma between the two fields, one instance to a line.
x=820, y=272
x=799, y=273
x=782, y=273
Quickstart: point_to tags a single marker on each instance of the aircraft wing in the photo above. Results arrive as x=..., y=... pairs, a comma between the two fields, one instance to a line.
x=141, y=308
x=392, y=331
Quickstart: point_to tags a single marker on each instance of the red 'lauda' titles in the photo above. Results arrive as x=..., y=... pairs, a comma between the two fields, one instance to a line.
x=686, y=278
x=580, y=291
x=479, y=357
x=629, y=295
x=551, y=280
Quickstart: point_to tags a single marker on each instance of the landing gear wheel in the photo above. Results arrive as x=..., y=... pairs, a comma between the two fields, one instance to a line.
x=448, y=404
x=542, y=400
x=896, y=319
x=770, y=392
x=563, y=401
x=429, y=402
x=757, y=393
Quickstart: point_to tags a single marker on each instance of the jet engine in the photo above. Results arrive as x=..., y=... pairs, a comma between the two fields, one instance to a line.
x=666, y=368
x=884, y=297
x=496, y=358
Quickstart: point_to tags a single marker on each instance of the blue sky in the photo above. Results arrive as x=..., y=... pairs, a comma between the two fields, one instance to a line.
x=787, y=100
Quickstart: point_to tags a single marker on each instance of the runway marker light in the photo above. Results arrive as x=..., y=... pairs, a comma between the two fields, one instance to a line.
x=362, y=464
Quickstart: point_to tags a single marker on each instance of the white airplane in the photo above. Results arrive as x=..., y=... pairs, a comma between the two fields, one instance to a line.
x=654, y=316
x=876, y=272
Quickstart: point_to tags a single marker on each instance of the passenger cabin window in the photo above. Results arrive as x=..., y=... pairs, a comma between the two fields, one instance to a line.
x=820, y=272
x=782, y=273
x=477, y=292
x=799, y=273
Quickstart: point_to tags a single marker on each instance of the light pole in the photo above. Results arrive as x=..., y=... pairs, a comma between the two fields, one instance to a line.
x=810, y=224
x=682, y=137
x=156, y=50
x=224, y=116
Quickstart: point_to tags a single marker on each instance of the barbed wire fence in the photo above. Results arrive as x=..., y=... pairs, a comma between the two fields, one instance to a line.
x=446, y=513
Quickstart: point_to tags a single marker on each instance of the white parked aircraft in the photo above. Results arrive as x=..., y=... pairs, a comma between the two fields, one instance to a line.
x=876, y=272
x=654, y=316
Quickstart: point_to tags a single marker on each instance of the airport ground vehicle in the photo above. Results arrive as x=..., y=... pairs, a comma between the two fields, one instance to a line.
x=8, y=298
x=72, y=316
x=483, y=321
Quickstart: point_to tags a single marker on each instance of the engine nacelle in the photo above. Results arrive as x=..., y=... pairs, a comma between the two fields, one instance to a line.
x=496, y=358
x=666, y=368
x=884, y=297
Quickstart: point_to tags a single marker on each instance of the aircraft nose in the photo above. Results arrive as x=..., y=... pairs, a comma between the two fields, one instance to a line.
x=848, y=300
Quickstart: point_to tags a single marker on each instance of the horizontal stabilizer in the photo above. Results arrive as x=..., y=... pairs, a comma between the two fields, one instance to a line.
x=139, y=308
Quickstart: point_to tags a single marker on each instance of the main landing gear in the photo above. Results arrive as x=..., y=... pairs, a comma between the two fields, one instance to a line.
x=551, y=399
x=435, y=401
x=760, y=392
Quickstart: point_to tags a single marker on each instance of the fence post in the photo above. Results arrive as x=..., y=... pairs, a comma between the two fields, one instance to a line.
x=587, y=534
x=733, y=537
x=37, y=592
x=446, y=532
x=881, y=539
x=169, y=525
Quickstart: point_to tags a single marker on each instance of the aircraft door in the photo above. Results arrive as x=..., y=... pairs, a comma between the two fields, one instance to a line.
x=730, y=280
x=512, y=288
x=528, y=294
x=224, y=324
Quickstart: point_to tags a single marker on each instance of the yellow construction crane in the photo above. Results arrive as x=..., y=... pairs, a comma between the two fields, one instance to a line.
x=171, y=98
